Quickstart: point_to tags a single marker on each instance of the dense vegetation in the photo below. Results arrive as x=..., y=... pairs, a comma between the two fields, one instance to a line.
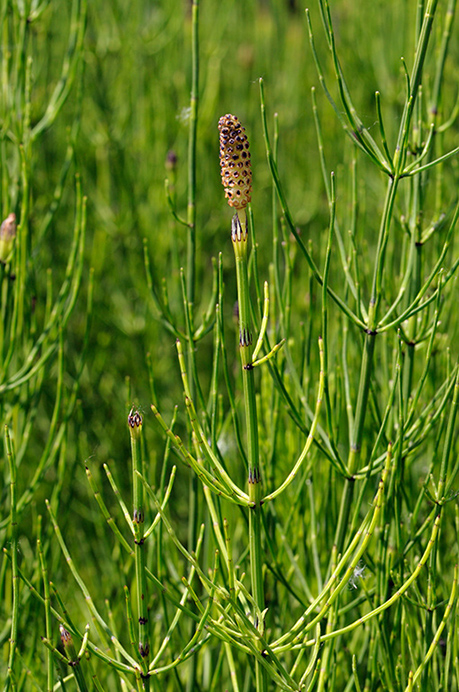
x=185, y=507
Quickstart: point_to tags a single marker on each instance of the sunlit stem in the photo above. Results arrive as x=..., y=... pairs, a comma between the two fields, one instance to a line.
x=239, y=237
x=138, y=519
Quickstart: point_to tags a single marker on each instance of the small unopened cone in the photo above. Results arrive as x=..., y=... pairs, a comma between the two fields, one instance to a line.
x=7, y=236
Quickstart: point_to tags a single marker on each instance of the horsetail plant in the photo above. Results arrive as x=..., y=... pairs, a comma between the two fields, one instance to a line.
x=306, y=540
x=141, y=664
x=38, y=301
x=237, y=180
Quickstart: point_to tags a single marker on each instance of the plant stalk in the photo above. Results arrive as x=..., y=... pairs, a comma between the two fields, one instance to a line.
x=239, y=237
x=138, y=519
x=8, y=684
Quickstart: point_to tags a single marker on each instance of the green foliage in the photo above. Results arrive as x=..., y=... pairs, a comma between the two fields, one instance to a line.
x=198, y=497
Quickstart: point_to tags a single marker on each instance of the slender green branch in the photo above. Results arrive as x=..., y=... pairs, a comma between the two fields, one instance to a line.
x=293, y=473
x=13, y=639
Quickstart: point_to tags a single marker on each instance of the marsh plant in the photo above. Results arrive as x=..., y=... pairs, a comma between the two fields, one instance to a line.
x=290, y=521
x=37, y=309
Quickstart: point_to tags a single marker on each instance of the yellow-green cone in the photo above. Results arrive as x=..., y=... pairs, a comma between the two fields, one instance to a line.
x=235, y=163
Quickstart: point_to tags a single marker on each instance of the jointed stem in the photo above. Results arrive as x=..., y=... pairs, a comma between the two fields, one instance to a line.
x=14, y=561
x=138, y=518
x=239, y=237
x=191, y=265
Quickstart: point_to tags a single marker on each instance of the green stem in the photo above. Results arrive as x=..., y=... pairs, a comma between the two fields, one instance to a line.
x=376, y=290
x=193, y=510
x=138, y=519
x=14, y=563
x=73, y=659
x=356, y=439
x=414, y=288
x=362, y=400
x=48, y=625
x=191, y=211
x=239, y=237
